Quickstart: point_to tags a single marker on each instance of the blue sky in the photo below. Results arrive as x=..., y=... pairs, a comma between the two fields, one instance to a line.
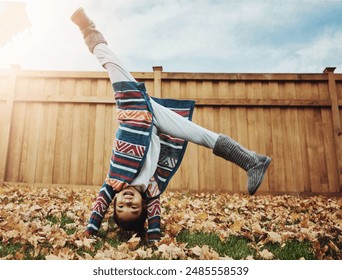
x=233, y=36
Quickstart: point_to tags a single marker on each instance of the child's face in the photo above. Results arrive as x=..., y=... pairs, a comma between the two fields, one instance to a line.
x=128, y=204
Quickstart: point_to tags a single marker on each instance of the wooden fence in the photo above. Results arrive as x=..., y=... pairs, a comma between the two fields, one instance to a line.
x=58, y=127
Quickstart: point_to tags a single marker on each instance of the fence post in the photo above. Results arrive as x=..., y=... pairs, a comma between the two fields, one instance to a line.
x=6, y=129
x=157, y=81
x=336, y=120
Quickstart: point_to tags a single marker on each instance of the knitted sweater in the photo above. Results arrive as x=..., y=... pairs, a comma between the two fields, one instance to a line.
x=135, y=117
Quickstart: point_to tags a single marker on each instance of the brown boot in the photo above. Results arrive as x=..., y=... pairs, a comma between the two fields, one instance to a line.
x=91, y=35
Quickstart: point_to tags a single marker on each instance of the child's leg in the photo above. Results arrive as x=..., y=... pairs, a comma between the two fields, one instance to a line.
x=112, y=64
x=223, y=146
x=175, y=125
x=117, y=72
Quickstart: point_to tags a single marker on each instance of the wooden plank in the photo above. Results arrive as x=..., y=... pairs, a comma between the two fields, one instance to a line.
x=65, y=99
x=15, y=147
x=46, y=139
x=288, y=92
x=312, y=146
x=330, y=150
x=199, y=101
x=277, y=141
x=243, y=76
x=321, y=157
x=36, y=117
x=181, y=75
x=293, y=134
x=79, y=74
x=267, y=135
x=157, y=81
x=94, y=91
x=98, y=172
x=79, y=140
x=336, y=121
x=6, y=123
x=42, y=144
x=61, y=172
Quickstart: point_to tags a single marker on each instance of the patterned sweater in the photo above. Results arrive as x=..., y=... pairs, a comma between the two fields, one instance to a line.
x=135, y=117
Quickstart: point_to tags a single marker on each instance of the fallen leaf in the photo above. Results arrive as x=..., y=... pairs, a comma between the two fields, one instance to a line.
x=202, y=216
x=53, y=257
x=133, y=242
x=274, y=237
x=236, y=226
x=265, y=254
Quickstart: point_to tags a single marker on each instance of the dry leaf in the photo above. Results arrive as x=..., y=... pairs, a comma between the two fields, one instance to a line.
x=333, y=246
x=265, y=254
x=196, y=250
x=274, y=237
x=53, y=257
x=36, y=222
x=133, y=242
x=236, y=226
x=201, y=216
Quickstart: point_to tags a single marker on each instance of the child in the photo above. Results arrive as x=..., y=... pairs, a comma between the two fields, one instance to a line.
x=150, y=144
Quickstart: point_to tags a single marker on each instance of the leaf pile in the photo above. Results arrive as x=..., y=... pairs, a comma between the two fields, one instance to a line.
x=48, y=223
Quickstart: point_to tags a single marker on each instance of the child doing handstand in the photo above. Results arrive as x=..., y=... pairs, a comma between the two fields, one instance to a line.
x=149, y=145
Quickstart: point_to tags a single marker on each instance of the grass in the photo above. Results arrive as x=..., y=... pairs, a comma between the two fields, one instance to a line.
x=234, y=247
x=63, y=221
x=293, y=250
x=239, y=247
x=23, y=251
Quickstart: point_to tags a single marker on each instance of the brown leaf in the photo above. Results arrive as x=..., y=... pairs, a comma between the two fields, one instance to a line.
x=133, y=242
x=333, y=246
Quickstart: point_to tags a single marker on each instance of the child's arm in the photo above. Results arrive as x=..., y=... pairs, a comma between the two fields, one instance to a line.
x=153, y=218
x=103, y=201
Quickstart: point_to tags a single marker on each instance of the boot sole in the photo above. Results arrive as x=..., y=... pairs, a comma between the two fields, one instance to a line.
x=267, y=163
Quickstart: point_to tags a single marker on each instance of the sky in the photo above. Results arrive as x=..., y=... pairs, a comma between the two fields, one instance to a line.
x=211, y=36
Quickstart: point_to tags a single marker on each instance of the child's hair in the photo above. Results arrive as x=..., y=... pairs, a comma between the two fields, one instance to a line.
x=137, y=225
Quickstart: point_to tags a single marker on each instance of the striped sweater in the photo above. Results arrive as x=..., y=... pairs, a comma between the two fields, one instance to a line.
x=135, y=117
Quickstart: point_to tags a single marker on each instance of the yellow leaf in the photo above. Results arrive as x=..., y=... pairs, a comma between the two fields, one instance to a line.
x=236, y=226
x=201, y=216
x=175, y=229
x=295, y=216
